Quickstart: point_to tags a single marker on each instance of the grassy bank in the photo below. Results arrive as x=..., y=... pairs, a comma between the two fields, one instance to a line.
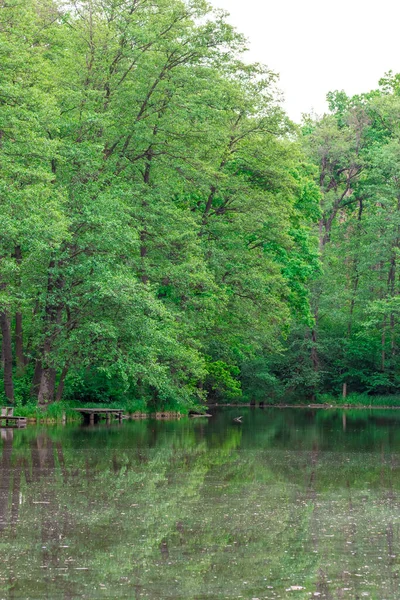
x=324, y=400
x=360, y=400
x=65, y=411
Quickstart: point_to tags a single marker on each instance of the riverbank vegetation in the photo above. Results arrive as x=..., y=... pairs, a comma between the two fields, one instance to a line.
x=354, y=341
x=169, y=237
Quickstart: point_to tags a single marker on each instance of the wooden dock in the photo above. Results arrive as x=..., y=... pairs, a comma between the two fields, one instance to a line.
x=7, y=418
x=92, y=415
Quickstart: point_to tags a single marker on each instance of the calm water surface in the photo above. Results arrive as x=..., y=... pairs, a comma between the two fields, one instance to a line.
x=288, y=504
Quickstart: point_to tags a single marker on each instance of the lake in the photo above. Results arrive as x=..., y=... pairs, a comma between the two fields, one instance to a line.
x=291, y=503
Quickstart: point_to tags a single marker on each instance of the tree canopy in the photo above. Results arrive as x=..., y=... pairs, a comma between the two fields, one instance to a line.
x=157, y=209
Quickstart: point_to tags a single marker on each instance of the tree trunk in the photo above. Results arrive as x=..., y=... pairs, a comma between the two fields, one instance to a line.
x=383, y=345
x=143, y=254
x=47, y=387
x=19, y=344
x=60, y=387
x=143, y=235
x=314, y=353
x=53, y=316
x=37, y=375
x=7, y=353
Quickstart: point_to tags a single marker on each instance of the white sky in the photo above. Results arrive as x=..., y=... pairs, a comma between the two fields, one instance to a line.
x=319, y=46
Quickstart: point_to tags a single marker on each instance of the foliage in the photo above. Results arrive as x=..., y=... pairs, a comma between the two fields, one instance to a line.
x=352, y=345
x=157, y=210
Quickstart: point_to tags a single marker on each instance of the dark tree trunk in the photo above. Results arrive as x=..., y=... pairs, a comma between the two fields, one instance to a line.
x=47, y=386
x=392, y=294
x=19, y=344
x=383, y=346
x=60, y=387
x=314, y=351
x=7, y=354
x=37, y=375
x=53, y=317
x=143, y=234
x=143, y=254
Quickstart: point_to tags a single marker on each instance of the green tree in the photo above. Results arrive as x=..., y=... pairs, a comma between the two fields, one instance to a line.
x=158, y=212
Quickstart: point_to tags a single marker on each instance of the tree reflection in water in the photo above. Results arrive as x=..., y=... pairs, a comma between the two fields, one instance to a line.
x=290, y=503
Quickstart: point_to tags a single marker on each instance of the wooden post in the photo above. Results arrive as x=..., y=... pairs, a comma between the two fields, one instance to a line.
x=108, y=418
x=91, y=419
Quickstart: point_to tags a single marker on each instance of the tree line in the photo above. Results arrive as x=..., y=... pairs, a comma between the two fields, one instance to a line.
x=168, y=236
x=354, y=341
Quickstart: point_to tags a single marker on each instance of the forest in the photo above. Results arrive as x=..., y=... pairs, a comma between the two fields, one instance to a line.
x=168, y=236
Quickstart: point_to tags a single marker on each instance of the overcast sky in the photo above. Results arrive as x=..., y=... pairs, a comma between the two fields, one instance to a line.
x=318, y=46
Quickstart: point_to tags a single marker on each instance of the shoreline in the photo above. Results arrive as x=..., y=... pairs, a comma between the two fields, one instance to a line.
x=325, y=406
x=176, y=416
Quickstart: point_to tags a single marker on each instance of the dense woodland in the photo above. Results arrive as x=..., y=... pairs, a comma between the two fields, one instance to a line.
x=168, y=236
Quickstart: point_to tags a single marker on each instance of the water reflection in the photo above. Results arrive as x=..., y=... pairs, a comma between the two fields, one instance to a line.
x=289, y=503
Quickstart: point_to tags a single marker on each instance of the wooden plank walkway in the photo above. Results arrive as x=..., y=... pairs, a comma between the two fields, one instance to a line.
x=7, y=418
x=92, y=414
